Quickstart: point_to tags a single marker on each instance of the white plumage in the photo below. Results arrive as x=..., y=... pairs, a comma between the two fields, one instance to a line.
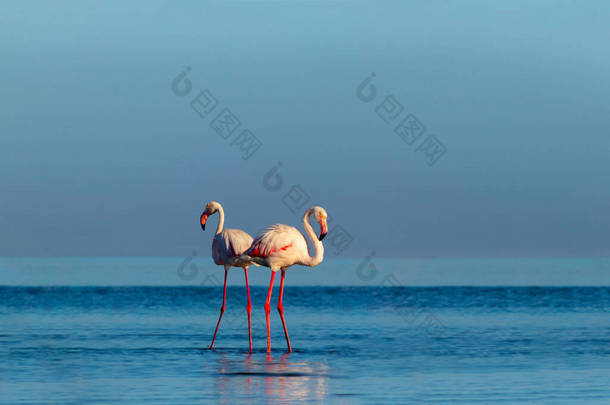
x=281, y=246
x=227, y=246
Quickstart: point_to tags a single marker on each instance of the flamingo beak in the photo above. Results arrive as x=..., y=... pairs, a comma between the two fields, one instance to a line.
x=203, y=219
x=323, y=229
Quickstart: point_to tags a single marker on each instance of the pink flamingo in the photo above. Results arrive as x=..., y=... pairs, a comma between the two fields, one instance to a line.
x=279, y=247
x=227, y=246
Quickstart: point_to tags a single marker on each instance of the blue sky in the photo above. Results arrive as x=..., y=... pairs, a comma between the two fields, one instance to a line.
x=100, y=157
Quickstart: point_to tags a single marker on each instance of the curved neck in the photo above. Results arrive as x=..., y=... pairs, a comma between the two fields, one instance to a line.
x=319, y=256
x=221, y=220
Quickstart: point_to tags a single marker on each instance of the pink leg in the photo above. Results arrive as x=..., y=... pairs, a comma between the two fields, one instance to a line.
x=249, y=309
x=280, y=309
x=268, y=310
x=222, y=309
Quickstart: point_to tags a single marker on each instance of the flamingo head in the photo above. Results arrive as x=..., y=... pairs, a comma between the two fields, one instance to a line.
x=320, y=216
x=210, y=209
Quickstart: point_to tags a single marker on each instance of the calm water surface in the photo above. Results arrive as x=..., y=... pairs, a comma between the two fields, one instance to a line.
x=148, y=345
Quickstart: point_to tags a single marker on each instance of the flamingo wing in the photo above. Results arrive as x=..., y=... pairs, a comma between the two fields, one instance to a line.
x=278, y=240
x=230, y=244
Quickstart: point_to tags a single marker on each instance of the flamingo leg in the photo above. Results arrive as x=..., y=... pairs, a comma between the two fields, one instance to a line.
x=268, y=310
x=280, y=309
x=222, y=309
x=249, y=309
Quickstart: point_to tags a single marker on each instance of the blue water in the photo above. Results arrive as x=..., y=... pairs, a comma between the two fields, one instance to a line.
x=147, y=345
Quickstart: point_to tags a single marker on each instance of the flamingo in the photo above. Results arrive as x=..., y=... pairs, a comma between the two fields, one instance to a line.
x=281, y=246
x=227, y=246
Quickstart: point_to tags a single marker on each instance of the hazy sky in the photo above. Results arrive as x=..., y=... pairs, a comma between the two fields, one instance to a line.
x=100, y=157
